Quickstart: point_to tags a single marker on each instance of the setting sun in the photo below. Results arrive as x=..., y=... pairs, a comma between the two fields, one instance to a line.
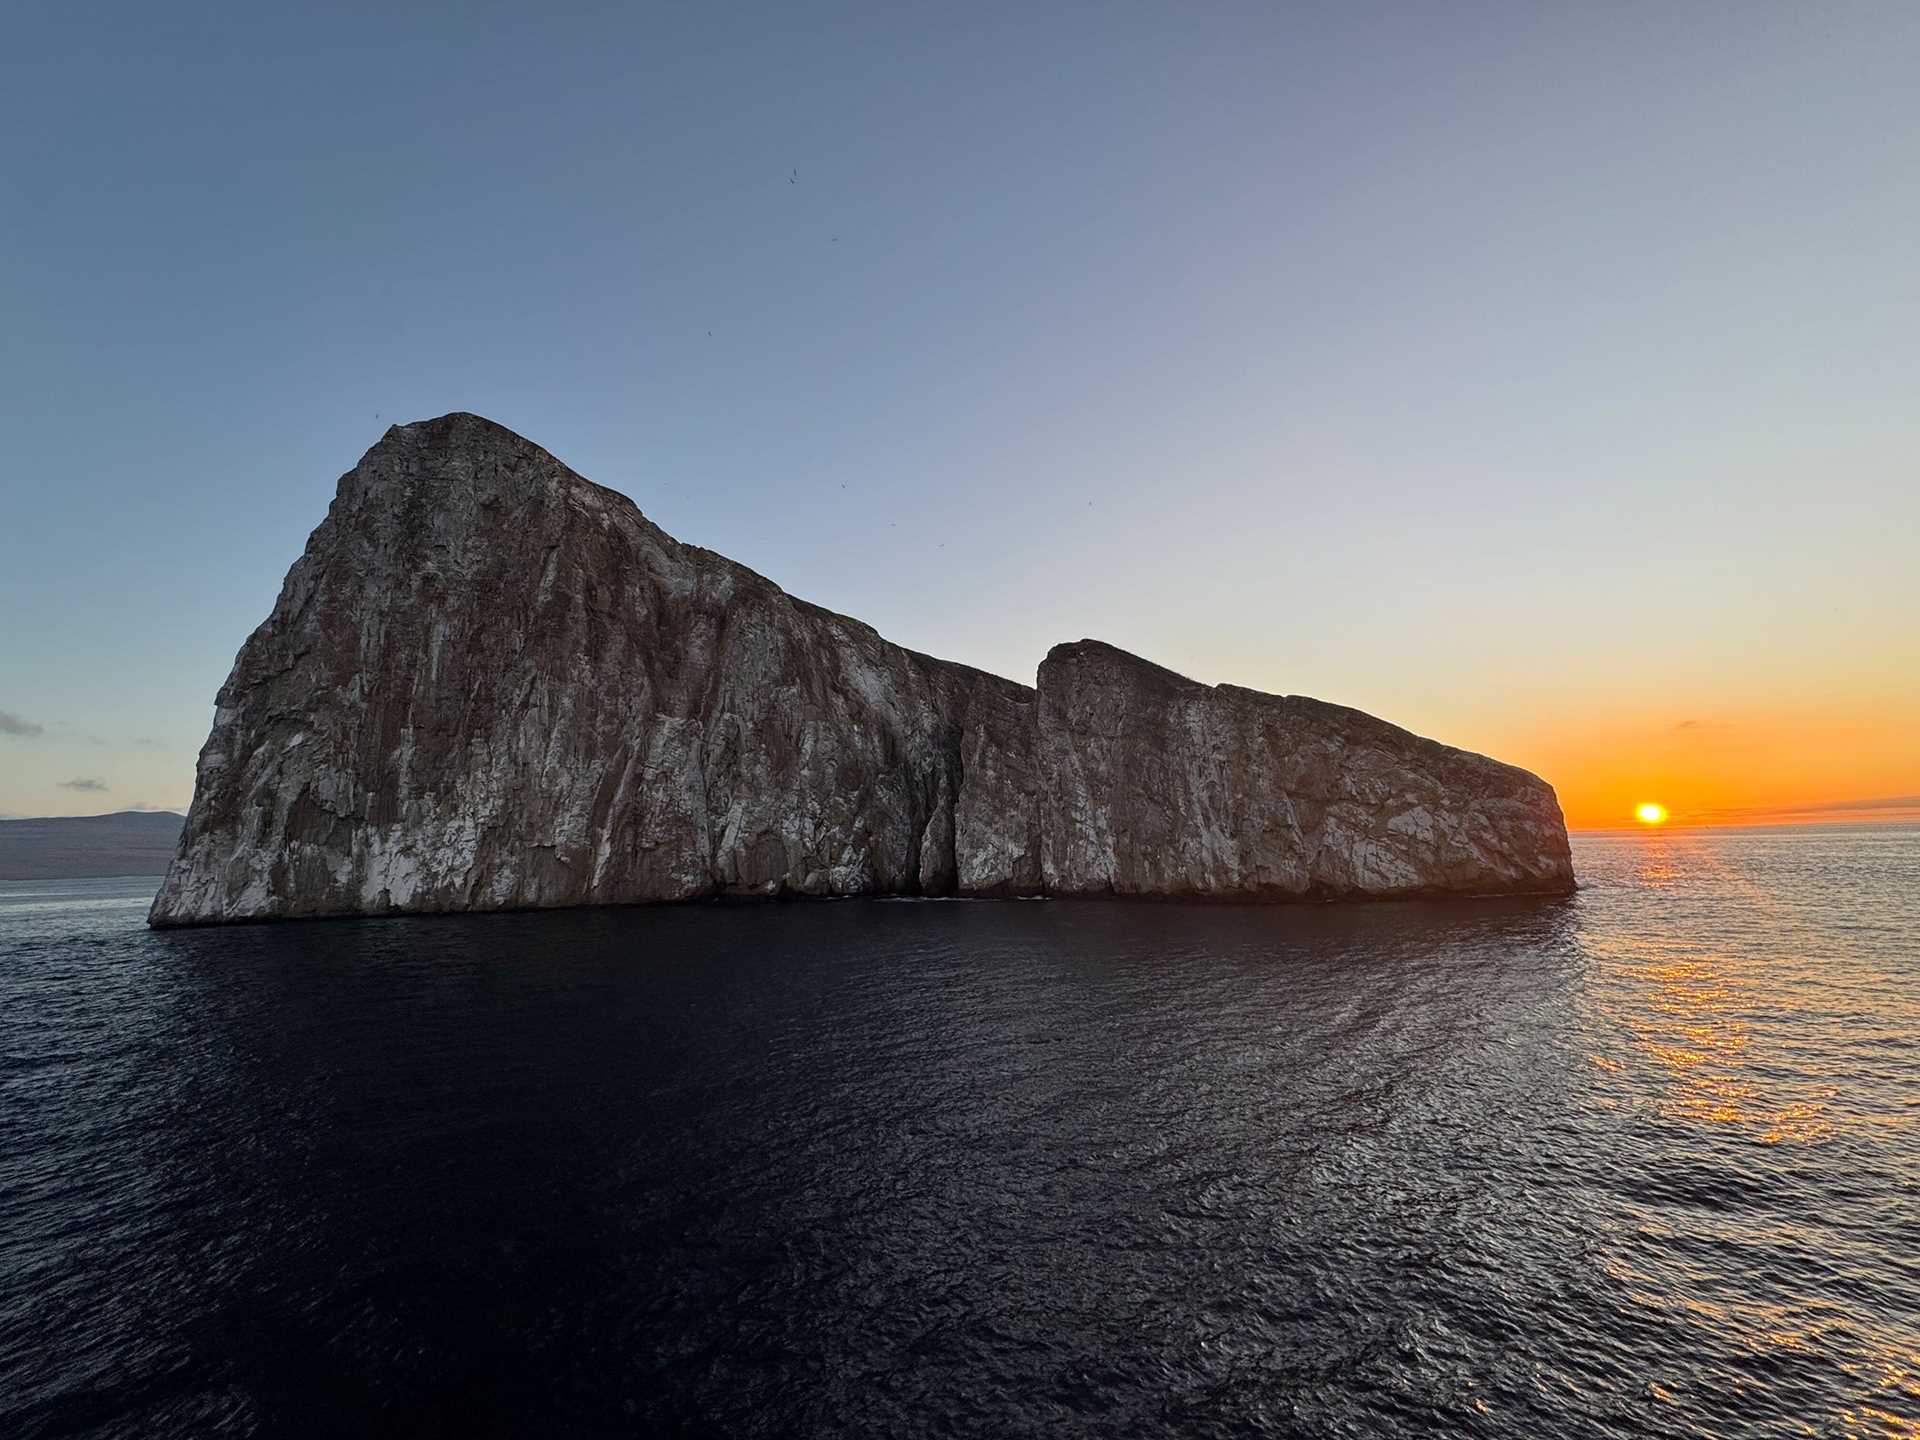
x=1648, y=813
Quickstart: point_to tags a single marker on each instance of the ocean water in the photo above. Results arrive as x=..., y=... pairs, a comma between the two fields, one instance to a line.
x=1645, y=1162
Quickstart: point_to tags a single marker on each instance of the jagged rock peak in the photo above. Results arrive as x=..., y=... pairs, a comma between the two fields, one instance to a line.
x=489, y=683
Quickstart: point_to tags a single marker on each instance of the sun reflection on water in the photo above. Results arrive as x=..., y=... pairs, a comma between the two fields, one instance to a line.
x=1755, y=996
x=1690, y=1013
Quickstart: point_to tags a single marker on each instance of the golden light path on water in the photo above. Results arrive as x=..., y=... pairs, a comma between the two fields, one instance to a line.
x=1743, y=1021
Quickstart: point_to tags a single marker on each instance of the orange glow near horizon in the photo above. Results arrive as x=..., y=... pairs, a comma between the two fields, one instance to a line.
x=1736, y=764
x=1648, y=812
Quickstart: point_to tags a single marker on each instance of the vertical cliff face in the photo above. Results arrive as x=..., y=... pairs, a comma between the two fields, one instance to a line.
x=1156, y=785
x=490, y=684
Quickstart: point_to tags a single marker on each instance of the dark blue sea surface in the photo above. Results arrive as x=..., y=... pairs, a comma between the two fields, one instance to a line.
x=1645, y=1162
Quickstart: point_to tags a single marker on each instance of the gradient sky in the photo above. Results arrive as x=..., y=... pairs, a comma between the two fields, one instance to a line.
x=1542, y=378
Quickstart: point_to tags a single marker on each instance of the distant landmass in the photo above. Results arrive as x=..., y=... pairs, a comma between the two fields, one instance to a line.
x=79, y=847
x=490, y=684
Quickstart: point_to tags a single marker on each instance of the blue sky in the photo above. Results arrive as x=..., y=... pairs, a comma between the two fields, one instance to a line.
x=1504, y=370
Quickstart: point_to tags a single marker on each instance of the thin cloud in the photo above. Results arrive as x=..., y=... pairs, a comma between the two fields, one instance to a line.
x=12, y=724
x=1885, y=802
x=1832, y=809
x=85, y=782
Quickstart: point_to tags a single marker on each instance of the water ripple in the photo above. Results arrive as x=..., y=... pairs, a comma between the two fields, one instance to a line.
x=1640, y=1163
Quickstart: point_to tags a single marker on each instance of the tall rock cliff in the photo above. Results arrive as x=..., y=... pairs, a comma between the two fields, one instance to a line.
x=1157, y=785
x=491, y=684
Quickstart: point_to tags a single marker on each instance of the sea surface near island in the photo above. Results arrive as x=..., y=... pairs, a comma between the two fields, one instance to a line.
x=1644, y=1162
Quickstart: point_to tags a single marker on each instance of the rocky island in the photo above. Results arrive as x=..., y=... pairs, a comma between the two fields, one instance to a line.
x=490, y=684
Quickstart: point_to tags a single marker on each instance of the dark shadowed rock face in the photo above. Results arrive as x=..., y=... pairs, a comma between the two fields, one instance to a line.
x=490, y=684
